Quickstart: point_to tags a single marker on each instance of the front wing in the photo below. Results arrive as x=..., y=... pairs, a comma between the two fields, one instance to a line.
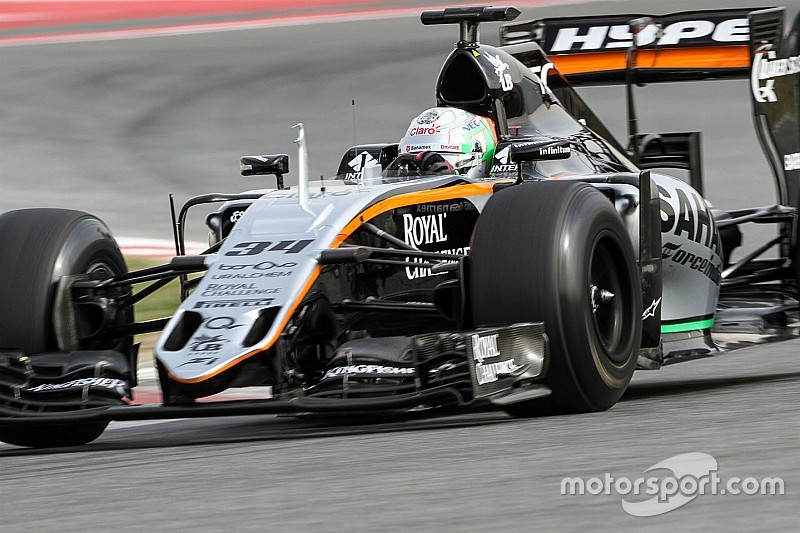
x=505, y=365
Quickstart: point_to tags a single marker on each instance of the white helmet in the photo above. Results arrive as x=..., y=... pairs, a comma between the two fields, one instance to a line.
x=465, y=140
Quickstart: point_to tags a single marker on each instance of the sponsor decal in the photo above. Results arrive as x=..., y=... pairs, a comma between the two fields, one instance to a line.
x=263, y=265
x=651, y=309
x=618, y=36
x=244, y=302
x=791, y=161
x=420, y=230
x=500, y=68
x=252, y=275
x=424, y=272
x=206, y=343
x=444, y=208
x=357, y=165
x=767, y=67
x=206, y=361
x=484, y=347
x=490, y=372
x=235, y=289
x=312, y=195
x=542, y=73
x=472, y=125
x=222, y=322
x=685, y=215
x=264, y=269
x=426, y=229
x=504, y=165
x=256, y=248
x=523, y=144
x=236, y=216
x=428, y=118
x=367, y=369
x=418, y=147
x=364, y=159
x=554, y=150
x=673, y=253
x=544, y=150
x=425, y=130
x=452, y=147
x=432, y=227
x=105, y=383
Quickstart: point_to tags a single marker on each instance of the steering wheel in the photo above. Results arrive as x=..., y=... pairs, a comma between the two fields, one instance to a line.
x=427, y=163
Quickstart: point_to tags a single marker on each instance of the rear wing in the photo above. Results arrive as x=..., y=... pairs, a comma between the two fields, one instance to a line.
x=693, y=45
x=690, y=45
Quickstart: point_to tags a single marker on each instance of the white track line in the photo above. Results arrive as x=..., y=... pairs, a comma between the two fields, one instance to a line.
x=270, y=22
x=159, y=248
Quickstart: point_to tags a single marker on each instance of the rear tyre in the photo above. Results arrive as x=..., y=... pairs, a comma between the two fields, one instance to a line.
x=37, y=248
x=558, y=252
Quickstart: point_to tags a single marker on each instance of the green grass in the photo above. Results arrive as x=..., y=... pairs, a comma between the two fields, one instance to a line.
x=160, y=304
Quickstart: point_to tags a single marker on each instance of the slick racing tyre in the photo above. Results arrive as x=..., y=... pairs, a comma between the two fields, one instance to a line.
x=557, y=252
x=37, y=248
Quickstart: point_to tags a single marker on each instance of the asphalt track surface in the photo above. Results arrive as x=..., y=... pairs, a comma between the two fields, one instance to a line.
x=112, y=127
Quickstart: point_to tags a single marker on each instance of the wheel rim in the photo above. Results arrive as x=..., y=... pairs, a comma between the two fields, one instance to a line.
x=608, y=298
x=90, y=316
x=101, y=267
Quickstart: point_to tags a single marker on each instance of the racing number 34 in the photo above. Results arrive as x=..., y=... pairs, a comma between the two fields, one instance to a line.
x=255, y=248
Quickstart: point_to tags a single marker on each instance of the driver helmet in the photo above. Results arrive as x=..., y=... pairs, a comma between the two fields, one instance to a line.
x=465, y=140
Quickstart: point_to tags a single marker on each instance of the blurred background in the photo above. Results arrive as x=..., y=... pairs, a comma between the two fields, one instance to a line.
x=108, y=107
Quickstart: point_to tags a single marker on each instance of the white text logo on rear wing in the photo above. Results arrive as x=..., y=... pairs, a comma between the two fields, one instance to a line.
x=680, y=33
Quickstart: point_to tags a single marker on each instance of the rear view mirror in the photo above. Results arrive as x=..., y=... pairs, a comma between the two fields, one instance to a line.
x=539, y=149
x=277, y=165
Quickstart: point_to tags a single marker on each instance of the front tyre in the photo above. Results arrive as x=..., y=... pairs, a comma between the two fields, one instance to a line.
x=37, y=248
x=558, y=252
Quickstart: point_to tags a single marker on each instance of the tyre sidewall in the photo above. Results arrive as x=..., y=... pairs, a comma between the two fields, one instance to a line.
x=89, y=246
x=41, y=246
x=602, y=380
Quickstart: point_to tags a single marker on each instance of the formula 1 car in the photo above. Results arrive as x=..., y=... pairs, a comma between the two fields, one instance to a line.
x=537, y=287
